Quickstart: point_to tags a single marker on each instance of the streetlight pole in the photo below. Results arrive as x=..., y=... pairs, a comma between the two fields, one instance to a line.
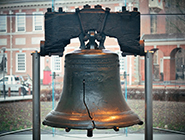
x=4, y=61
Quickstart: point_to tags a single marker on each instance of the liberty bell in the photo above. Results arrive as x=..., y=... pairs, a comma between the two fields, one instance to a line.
x=92, y=96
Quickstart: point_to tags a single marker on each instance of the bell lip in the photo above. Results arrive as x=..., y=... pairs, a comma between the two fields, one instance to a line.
x=86, y=122
x=91, y=52
x=85, y=127
x=67, y=125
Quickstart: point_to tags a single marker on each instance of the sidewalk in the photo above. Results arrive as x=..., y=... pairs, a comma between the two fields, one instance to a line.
x=95, y=137
x=15, y=98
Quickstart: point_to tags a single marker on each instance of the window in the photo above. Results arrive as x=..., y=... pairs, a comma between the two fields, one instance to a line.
x=121, y=62
x=56, y=63
x=37, y=21
x=20, y=22
x=21, y=62
x=3, y=23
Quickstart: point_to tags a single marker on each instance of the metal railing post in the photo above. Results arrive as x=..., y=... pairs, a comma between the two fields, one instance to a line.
x=36, y=95
x=148, y=97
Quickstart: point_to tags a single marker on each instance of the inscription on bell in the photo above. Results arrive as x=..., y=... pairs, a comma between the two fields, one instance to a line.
x=92, y=96
x=99, y=76
x=91, y=62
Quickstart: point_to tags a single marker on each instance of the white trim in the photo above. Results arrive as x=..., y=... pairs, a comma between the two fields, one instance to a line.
x=11, y=40
x=10, y=12
x=165, y=43
x=23, y=49
x=166, y=57
x=17, y=62
x=23, y=33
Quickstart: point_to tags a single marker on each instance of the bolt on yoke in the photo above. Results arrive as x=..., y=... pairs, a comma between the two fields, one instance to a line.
x=92, y=37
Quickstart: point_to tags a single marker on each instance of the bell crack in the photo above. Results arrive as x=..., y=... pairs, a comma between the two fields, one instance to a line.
x=88, y=111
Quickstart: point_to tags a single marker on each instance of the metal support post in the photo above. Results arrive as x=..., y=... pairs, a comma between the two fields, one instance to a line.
x=148, y=97
x=53, y=98
x=125, y=76
x=36, y=95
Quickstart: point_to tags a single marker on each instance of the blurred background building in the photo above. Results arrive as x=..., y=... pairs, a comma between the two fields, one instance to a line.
x=162, y=28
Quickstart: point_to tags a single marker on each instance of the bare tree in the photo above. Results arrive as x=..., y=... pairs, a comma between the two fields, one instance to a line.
x=175, y=21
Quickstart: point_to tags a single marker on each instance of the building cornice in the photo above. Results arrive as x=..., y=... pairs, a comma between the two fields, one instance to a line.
x=62, y=3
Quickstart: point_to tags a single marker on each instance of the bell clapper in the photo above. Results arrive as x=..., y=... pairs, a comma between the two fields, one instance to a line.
x=89, y=132
x=67, y=129
x=116, y=128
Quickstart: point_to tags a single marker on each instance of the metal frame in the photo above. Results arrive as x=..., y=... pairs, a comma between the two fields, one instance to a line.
x=148, y=96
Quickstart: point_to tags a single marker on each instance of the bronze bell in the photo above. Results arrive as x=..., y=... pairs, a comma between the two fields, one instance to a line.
x=92, y=96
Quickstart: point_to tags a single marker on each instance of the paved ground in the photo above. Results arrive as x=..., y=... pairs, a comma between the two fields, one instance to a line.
x=15, y=98
x=95, y=137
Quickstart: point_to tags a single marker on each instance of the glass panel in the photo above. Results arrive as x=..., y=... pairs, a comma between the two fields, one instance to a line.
x=3, y=23
x=38, y=20
x=56, y=63
x=20, y=22
x=162, y=29
x=21, y=62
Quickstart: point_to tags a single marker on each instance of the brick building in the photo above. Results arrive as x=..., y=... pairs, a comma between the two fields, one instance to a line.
x=22, y=28
x=166, y=37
